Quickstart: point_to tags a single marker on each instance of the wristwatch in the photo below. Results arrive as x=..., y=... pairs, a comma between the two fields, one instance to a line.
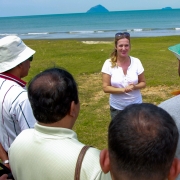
x=6, y=162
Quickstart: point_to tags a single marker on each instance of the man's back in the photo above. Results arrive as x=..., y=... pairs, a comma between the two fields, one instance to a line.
x=14, y=109
x=51, y=153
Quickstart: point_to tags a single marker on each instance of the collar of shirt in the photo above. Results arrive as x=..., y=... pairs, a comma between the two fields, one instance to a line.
x=13, y=78
x=55, y=131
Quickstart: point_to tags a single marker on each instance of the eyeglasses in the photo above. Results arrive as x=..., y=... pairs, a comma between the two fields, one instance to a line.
x=30, y=58
x=126, y=34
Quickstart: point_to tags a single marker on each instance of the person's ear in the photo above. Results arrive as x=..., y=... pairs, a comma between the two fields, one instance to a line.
x=175, y=169
x=72, y=109
x=104, y=161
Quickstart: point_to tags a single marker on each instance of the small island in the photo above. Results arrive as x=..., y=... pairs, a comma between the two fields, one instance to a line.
x=166, y=8
x=97, y=9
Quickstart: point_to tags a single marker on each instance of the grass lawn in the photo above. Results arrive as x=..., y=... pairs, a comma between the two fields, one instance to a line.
x=85, y=61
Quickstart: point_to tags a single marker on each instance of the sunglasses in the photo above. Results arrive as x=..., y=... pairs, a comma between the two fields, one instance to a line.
x=126, y=34
x=30, y=58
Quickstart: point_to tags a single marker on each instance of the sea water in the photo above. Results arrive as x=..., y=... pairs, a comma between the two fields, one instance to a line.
x=141, y=23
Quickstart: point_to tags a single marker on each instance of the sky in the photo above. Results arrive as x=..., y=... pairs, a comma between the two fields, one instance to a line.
x=41, y=7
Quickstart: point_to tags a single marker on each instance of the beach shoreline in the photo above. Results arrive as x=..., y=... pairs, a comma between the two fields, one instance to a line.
x=95, y=40
x=104, y=40
x=76, y=38
x=100, y=39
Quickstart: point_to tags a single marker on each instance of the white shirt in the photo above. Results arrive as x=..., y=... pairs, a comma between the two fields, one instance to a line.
x=120, y=80
x=15, y=110
x=50, y=153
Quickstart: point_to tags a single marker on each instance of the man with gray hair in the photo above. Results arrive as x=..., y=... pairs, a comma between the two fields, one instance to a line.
x=15, y=110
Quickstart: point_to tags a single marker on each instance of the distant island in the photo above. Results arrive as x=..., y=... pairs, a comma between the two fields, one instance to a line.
x=97, y=9
x=166, y=8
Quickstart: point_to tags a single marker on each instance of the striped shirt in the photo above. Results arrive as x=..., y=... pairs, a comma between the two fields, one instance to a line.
x=15, y=110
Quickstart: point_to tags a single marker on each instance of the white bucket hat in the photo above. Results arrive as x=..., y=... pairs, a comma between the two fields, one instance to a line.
x=13, y=51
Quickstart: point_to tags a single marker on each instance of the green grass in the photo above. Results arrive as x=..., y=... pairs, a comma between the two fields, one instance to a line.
x=85, y=61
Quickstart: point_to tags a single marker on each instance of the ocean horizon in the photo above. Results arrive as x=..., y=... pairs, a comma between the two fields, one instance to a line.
x=139, y=23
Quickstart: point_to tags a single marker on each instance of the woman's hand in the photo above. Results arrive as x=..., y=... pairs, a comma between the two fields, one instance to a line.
x=129, y=88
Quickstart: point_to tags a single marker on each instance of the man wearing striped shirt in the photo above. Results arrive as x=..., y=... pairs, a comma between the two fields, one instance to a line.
x=15, y=110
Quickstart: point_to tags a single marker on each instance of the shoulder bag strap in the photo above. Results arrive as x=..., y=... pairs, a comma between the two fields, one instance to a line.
x=6, y=170
x=79, y=162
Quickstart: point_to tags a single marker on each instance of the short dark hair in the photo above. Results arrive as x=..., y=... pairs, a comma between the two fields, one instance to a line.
x=51, y=93
x=142, y=141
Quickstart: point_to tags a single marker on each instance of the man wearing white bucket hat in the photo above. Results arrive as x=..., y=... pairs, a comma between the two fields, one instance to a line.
x=15, y=110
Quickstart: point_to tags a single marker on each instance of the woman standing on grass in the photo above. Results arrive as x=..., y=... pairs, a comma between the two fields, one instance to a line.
x=122, y=76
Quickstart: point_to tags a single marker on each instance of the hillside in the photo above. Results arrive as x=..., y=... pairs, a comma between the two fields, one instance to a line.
x=97, y=9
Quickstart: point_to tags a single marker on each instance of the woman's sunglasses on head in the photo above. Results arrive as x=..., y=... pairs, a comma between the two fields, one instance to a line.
x=126, y=34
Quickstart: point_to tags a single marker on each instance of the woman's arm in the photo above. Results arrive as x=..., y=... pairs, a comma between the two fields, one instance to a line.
x=141, y=84
x=107, y=88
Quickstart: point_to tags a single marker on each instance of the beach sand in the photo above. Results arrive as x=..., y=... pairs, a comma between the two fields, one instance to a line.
x=92, y=40
x=96, y=42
